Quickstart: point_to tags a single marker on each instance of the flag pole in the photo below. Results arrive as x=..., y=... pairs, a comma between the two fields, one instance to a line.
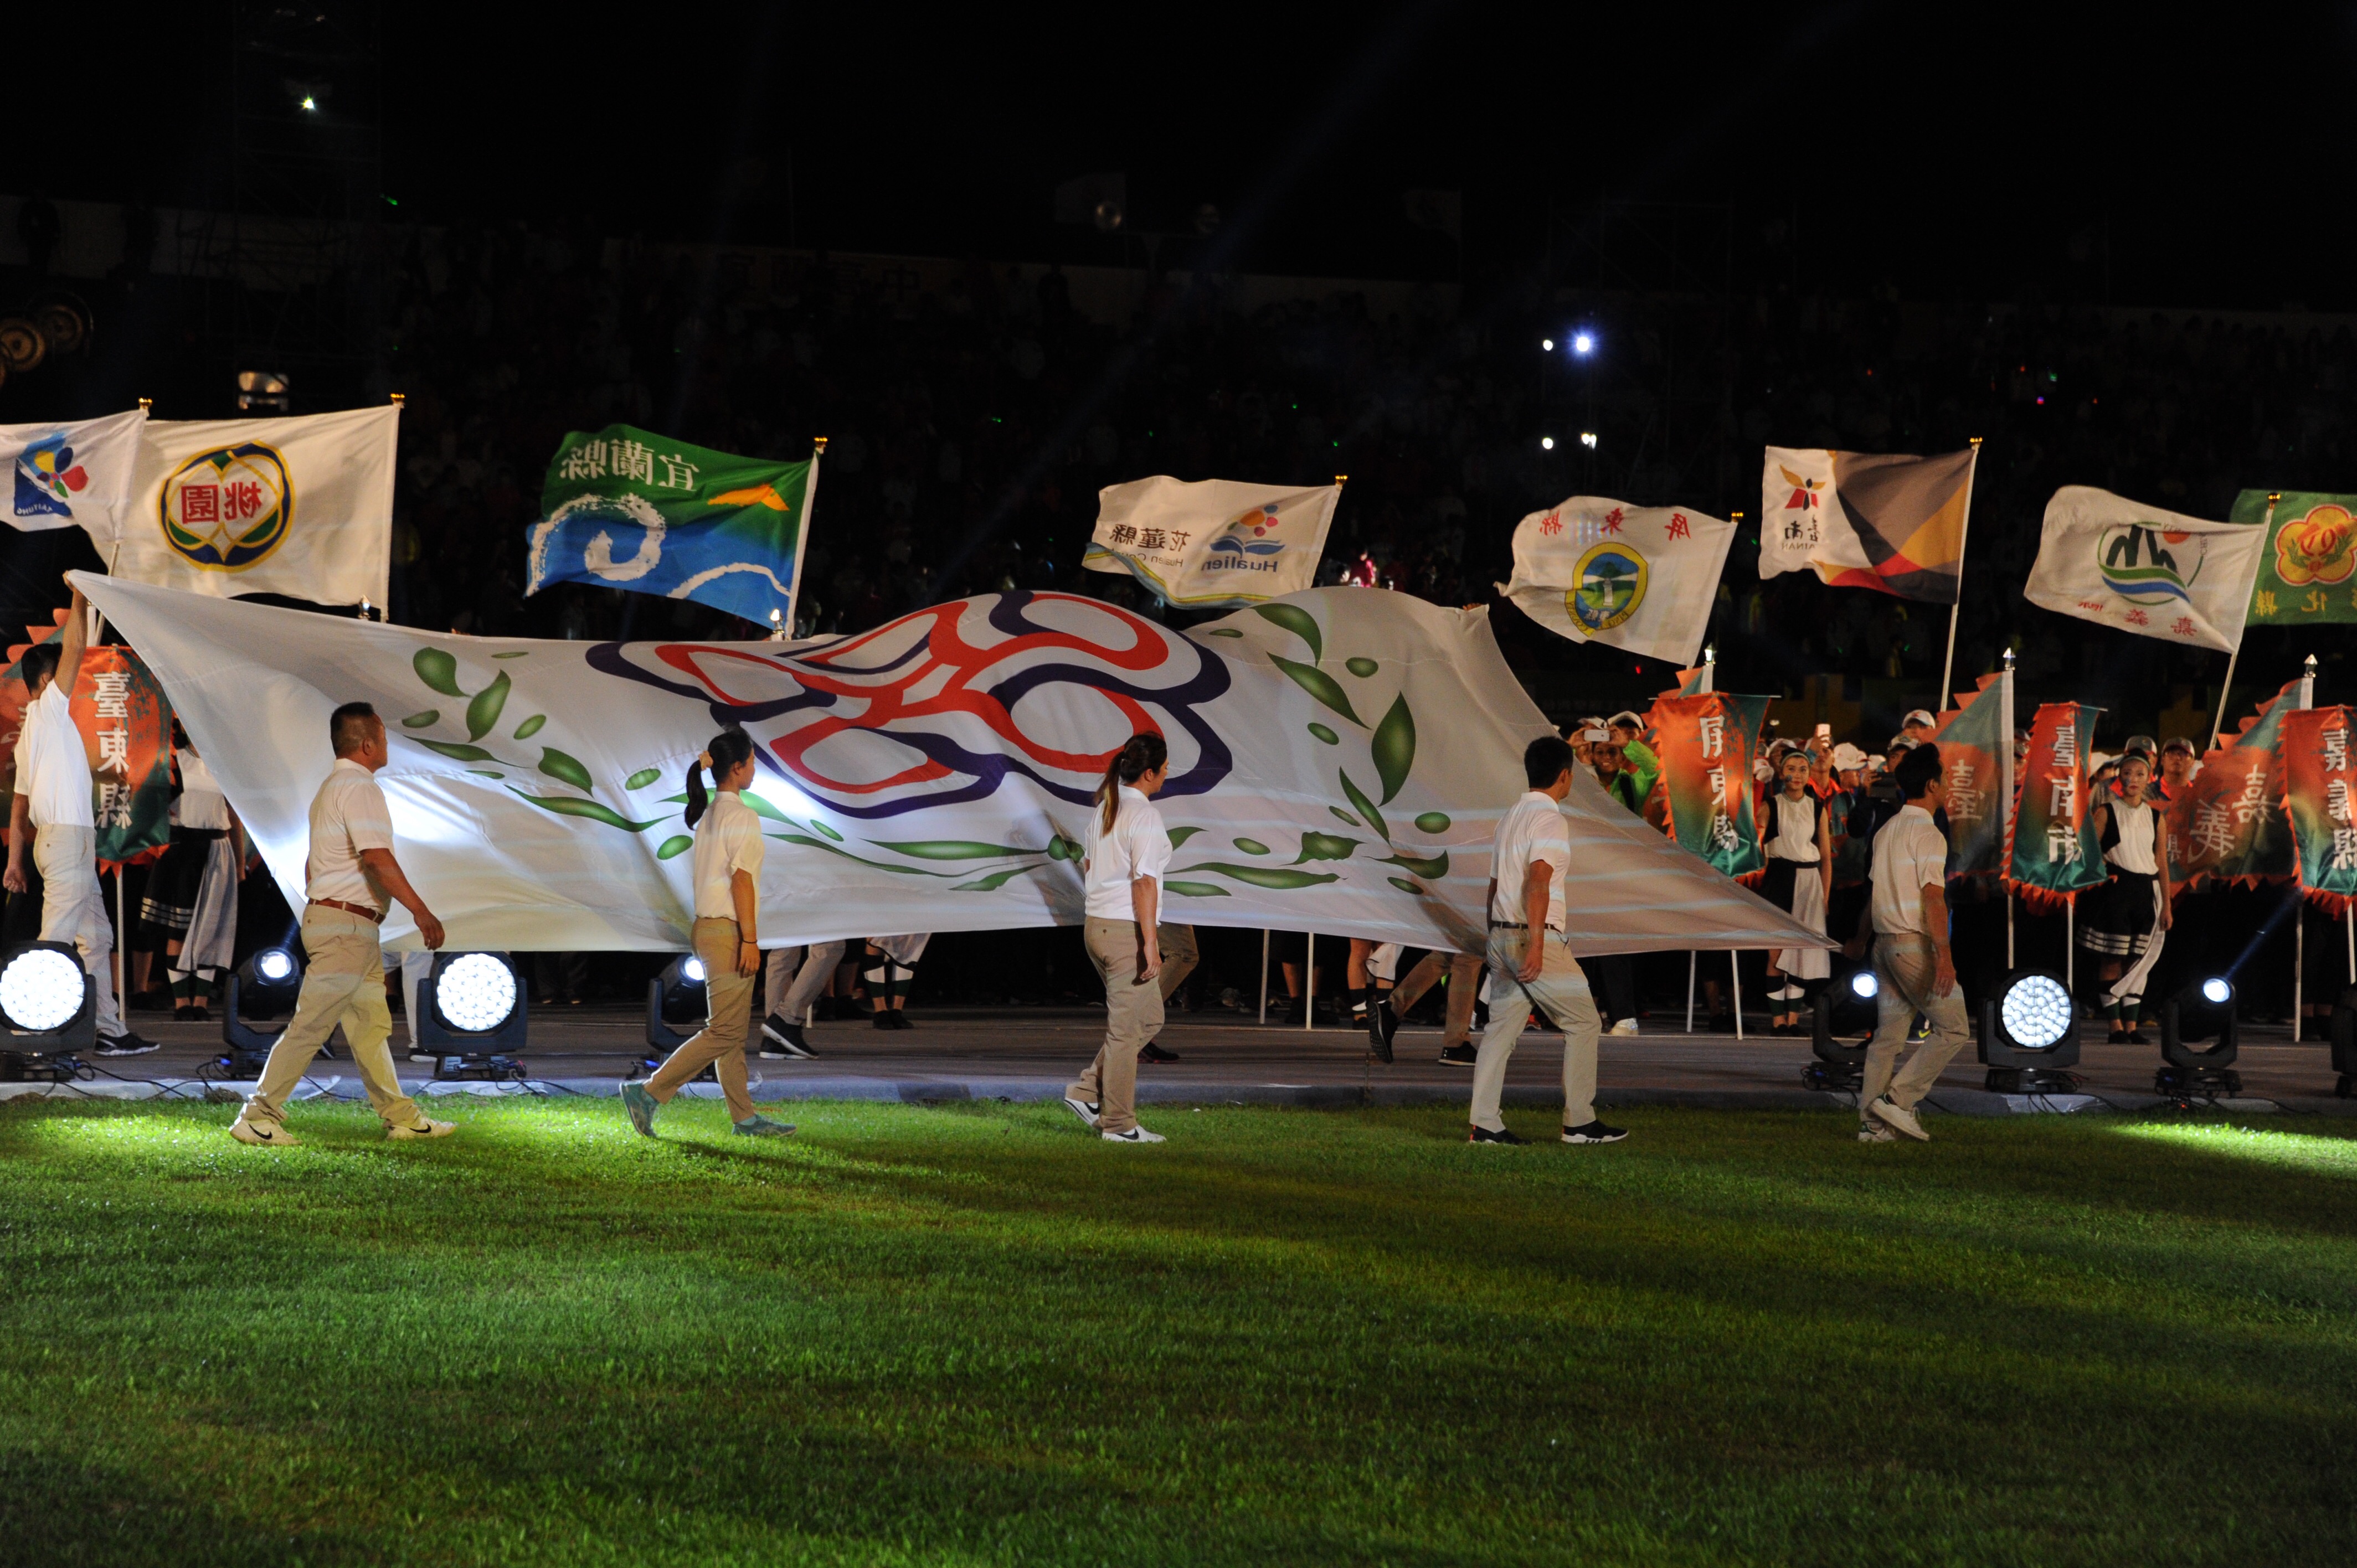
x=1948, y=666
x=2011, y=808
x=2226, y=693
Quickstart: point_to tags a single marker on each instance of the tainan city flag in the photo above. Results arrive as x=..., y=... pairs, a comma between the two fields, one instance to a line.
x=2307, y=568
x=2051, y=851
x=1706, y=743
x=1213, y=543
x=623, y=508
x=2122, y=563
x=1643, y=579
x=301, y=506
x=73, y=475
x=1867, y=519
x=2317, y=784
x=1976, y=742
x=2228, y=822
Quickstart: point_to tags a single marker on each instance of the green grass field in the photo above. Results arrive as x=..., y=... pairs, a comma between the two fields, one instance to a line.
x=972, y=1335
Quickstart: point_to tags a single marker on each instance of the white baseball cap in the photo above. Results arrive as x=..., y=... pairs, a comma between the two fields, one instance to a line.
x=1919, y=716
x=1848, y=755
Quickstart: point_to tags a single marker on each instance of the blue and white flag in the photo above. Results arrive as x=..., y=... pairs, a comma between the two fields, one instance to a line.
x=1213, y=542
x=73, y=475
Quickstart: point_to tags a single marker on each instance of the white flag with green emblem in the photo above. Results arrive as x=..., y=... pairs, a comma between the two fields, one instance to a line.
x=1643, y=579
x=300, y=505
x=1214, y=543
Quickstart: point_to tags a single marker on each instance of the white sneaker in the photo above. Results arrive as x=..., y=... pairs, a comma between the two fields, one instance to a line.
x=1625, y=1027
x=1901, y=1117
x=267, y=1134
x=429, y=1128
x=1875, y=1133
x=1135, y=1135
x=1084, y=1110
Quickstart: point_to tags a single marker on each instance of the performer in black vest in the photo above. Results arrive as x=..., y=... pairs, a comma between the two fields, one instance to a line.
x=2123, y=922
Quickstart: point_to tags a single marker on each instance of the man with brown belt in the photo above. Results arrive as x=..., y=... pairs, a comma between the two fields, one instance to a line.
x=351, y=879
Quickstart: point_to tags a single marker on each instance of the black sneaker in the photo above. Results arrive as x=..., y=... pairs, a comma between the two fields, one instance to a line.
x=1150, y=1052
x=1594, y=1133
x=1483, y=1135
x=782, y=1039
x=125, y=1044
x=1383, y=1023
x=1459, y=1056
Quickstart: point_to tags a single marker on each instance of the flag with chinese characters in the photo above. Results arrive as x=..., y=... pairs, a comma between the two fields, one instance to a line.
x=2052, y=849
x=76, y=474
x=1706, y=743
x=1867, y=519
x=301, y=506
x=124, y=717
x=2122, y=563
x=2229, y=820
x=2317, y=784
x=1214, y=543
x=1976, y=742
x=1643, y=579
x=2307, y=568
x=627, y=508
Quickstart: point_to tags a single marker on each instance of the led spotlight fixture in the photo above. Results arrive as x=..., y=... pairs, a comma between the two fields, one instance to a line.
x=2202, y=1011
x=2030, y=1034
x=471, y=1016
x=1843, y=1018
x=263, y=988
x=676, y=1006
x=2344, y=1042
x=48, y=1011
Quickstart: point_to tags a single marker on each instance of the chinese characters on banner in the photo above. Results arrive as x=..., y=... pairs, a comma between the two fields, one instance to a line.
x=1706, y=743
x=124, y=717
x=1976, y=742
x=2051, y=852
x=2230, y=823
x=2316, y=782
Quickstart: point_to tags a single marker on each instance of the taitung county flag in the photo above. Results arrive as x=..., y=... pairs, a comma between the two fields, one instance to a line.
x=2122, y=563
x=2308, y=569
x=1643, y=579
x=1214, y=542
x=1976, y=742
x=1867, y=519
x=71, y=474
x=624, y=507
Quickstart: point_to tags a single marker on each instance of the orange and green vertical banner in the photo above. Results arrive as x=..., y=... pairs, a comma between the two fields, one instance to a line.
x=2316, y=785
x=2230, y=822
x=1706, y=743
x=2051, y=852
x=1976, y=742
x=124, y=719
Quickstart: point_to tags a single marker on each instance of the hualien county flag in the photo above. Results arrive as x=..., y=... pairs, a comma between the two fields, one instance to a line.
x=1976, y=742
x=1643, y=579
x=2052, y=849
x=2317, y=782
x=1706, y=743
x=2307, y=568
x=623, y=508
x=2122, y=563
x=73, y=475
x=1867, y=519
x=1215, y=542
x=301, y=506
x=1339, y=762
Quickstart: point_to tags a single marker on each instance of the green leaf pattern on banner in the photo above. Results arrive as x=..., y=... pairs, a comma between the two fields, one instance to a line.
x=483, y=713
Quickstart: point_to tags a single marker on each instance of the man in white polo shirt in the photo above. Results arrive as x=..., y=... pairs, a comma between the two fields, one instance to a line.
x=352, y=878
x=1530, y=966
x=1915, y=971
x=51, y=816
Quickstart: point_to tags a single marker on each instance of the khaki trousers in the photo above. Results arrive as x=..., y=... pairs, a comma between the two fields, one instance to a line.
x=1178, y=956
x=72, y=910
x=1464, y=981
x=1132, y=1017
x=1904, y=966
x=343, y=982
x=1561, y=990
x=797, y=975
x=728, y=1018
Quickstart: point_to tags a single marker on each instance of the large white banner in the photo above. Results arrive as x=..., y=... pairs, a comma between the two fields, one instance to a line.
x=1643, y=579
x=1214, y=543
x=77, y=474
x=301, y=506
x=1338, y=762
x=2107, y=558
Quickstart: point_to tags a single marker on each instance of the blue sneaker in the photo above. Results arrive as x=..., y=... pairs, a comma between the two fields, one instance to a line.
x=762, y=1127
x=643, y=1107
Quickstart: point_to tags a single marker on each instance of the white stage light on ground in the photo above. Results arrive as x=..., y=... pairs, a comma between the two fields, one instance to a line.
x=274, y=964
x=1865, y=986
x=472, y=1015
x=475, y=992
x=41, y=990
x=2216, y=992
x=691, y=968
x=2030, y=1034
x=1546, y=442
x=1583, y=343
x=2036, y=1012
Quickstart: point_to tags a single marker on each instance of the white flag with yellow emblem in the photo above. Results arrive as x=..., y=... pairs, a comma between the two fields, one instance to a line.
x=1643, y=579
x=301, y=506
x=1214, y=542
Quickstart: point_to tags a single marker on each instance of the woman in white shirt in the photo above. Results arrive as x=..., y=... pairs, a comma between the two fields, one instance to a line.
x=1128, y=850
x=2124, y=922
x=727, y=870
x=1794, y=832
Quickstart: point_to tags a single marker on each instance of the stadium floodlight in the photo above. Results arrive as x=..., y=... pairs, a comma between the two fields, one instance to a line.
x=48, y=1011
x=1842, y=1016
x=1546, y=345
x=2344, y=1042
x=676, y=1006
x=1583, y=344
x=264, y=987
x=473, y=1015
x=2202, y=1011
x=2030, y=1034
x=1546, y=442
x=1588, y=439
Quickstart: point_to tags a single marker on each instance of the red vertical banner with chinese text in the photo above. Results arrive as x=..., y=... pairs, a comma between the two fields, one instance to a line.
x=2316, y=785
x=1706, y=743
x=2051, y=849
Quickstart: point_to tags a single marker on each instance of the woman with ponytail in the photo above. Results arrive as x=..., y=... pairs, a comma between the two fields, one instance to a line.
x=1128, y=850
x=728, y=904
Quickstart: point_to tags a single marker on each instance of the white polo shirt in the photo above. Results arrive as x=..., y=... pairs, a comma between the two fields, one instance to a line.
x=52, y=766
x=348, y=815
x=728, y=840
x=1139, y=845
x=1910, y=853
x=1534, y=829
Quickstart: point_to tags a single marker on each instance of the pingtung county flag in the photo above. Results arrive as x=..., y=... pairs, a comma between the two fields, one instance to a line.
x=1706, y=743
x=75, y=475
x=1643, y=579
x=2052, y=849
x=1867, y=519
x=1215, y=542
x=1976, y=742
x=2307, y=568
x=2121, y=564
x=2316, y=785
x=301, y=506
x=623, y=508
